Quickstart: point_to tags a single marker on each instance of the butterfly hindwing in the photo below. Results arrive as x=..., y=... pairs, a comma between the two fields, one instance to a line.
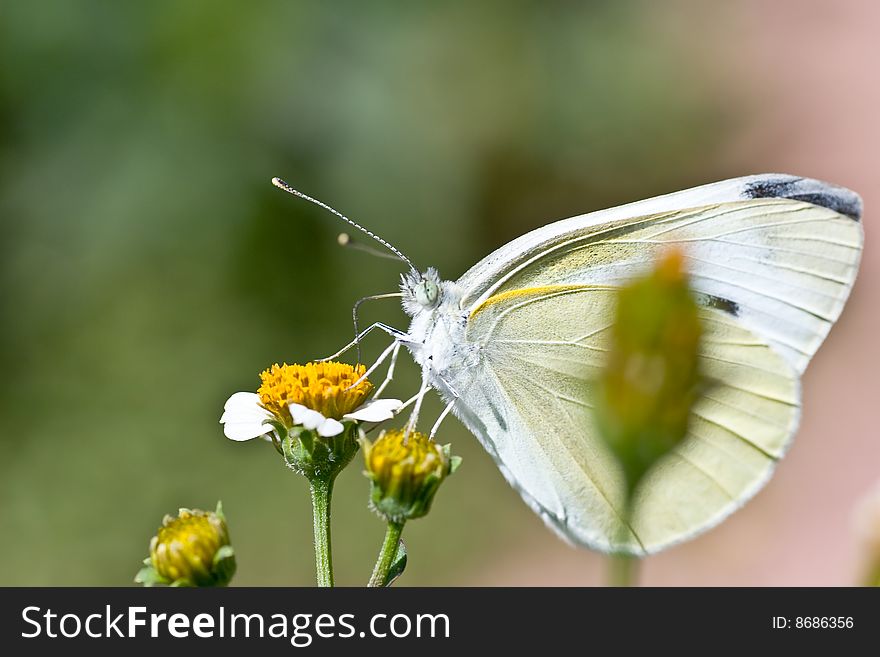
x=542, y=349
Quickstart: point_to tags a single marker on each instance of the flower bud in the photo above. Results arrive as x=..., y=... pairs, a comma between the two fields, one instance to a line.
x=651, y=378
x=405, y=472
x=867, y=526
x=190, y=550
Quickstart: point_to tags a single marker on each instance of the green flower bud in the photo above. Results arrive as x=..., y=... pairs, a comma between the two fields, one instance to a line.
x=405, y=472
x=867, y=525
x=651, y=378
x=190, y=550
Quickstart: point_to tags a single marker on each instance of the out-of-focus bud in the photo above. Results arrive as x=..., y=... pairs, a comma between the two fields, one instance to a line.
x=405, y=472
x=867, y=526
x=191, y=549
x=651, y=378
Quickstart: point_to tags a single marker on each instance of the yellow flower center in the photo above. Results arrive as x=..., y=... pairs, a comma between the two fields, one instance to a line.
x=185, y=546
x=323, y=387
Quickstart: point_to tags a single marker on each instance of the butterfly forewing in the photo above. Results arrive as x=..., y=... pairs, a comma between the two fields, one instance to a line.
x=784, y=267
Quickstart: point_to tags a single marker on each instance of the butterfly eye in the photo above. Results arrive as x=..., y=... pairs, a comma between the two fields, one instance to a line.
x=427, y=293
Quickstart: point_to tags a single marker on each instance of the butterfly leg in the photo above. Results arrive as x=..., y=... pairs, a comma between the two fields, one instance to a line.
x=393, y=347
x=421, y=393
x=390, y=330
x=409, y=402
x=441, y=418
x=447, y=391
x=423, y=390
x=390, y=375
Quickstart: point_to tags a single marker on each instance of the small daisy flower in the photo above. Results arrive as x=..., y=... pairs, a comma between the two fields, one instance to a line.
x=317, y=396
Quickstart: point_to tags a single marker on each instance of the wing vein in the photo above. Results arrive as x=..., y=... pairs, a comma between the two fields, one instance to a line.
x=737, y=434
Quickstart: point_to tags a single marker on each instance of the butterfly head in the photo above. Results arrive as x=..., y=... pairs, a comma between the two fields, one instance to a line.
x=421, y=291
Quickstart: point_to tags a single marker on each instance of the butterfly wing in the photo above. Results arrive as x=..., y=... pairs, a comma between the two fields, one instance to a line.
x=780, y=251
x=772, y=275
x=530, y=405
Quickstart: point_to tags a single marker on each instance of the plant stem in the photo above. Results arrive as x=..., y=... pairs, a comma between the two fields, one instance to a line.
x=623, y=570
x=322, y=490
x=386, y=554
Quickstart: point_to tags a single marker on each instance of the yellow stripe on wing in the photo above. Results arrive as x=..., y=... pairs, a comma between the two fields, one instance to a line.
x=532, y=291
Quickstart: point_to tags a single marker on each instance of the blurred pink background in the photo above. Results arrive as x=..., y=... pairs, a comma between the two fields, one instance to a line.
x=814, y=69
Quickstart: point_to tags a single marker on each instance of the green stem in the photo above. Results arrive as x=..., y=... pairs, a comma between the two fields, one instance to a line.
x=322, y=490
x=386, y=554
x=623, y=570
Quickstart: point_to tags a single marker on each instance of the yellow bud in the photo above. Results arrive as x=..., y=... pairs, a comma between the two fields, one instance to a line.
x=405, y=472
x=191, y=549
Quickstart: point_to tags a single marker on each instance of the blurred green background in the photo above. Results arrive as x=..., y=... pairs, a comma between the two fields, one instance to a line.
x=148, y=269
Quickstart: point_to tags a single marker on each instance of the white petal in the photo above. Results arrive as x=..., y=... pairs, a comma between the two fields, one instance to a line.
x=312, y=420
x=242, y=431
x=244, y=418
x=242, y=400
x=305, y=416
x=245, y=415
x=377, y=410
x=297, y=412
x=330, y=427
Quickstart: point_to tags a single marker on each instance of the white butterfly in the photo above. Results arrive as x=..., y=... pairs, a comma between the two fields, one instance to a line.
x=514, y=344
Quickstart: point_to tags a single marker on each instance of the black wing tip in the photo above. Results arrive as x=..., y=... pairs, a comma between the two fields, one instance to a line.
x=808, y=190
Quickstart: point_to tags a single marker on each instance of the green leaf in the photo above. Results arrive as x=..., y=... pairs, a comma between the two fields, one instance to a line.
x=149, y=577
x=225, y=552
x=224, y=565
x=288, y=448
x=398, y=565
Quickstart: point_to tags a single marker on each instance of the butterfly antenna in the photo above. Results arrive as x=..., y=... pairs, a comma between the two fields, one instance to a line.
x=280, y=184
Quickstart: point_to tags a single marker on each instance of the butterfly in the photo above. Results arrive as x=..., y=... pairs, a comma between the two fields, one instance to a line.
x=515, y=345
